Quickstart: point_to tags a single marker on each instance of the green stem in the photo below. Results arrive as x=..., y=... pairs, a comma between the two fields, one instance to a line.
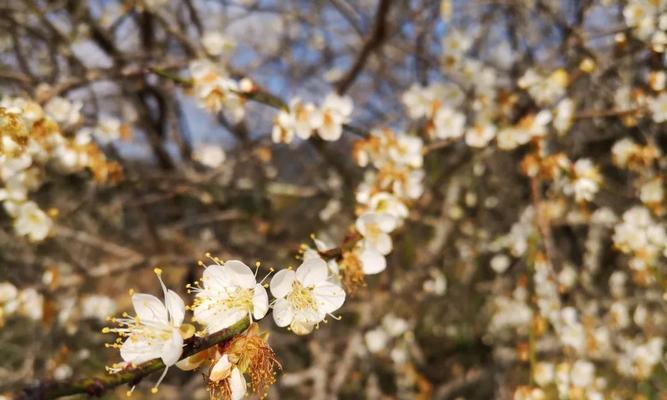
x=95, y=386
x=172, y=77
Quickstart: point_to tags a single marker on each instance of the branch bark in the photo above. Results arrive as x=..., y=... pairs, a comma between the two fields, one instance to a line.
x=373, y=42
x=97, y=385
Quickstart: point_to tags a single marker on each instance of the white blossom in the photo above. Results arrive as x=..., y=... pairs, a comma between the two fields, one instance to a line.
x=228, y=294
x=304, y=297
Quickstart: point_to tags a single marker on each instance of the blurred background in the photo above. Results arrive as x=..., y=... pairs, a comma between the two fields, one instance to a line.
x=509, y=274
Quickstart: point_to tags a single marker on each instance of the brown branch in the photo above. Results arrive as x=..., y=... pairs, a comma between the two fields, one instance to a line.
x=607, y=113
x=373, y=43
x=96, y=386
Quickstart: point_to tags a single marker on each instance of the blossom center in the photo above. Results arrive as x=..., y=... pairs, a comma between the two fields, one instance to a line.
x=241, y=299
x=301, y=297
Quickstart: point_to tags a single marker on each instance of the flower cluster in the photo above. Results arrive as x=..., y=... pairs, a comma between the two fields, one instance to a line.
x=641, y=237
x=26, y=302
x=215, y=90
x=648, y=20
x=571, y=380
x=304, y=119
x=248, y=354
x=382, y=199
x=227, y=294
x=30, y=140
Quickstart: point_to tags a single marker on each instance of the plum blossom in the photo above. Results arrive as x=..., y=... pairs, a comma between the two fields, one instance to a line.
x=385, y=202
x=215, y=90
x=222, y=370
x=228, y=293
x=304, y=297
x=585, y=182
x=480, y=135
x=335, y=112
x=155, y=331
x=209, y=155
x=448, y=123
x=375, y=229
x=32, y=222
x=216, y=43
x=658, y=108
x=63, y=111
x=545, y=89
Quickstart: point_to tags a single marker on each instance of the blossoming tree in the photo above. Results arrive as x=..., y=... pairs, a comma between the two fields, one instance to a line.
x=373, y=199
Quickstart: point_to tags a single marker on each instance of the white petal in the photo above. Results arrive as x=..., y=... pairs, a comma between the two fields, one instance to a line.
x=361, y=223
x=240, y=274
x=383, y=243
x=281, y=283
x=301, y=327
x=260, y=302
x=175, y=306
x=308, y=316
x=372, y=261
x=282, y=313
x=329, y=297
x=215, y=277
x=225, y=319
x=331, y=132
x=386, y=222
x=149, y=308
x=172, y=349
x=137, y=350
x=305, y=320
x=312, y=271
x=237, y=384
x=221, y=369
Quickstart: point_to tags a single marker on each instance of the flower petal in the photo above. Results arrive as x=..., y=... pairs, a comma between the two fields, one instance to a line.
x=282, y=313
x=214, y=277
x=372, y=261
x=361, y=223
x=175, y=306
x=149, y=308
x=329, y=297
x=240, y=274
x=386, y=222
x=237, y=384
x=260, y=302
x=172, y=349
x=137, y=350
x=226, y=319
x=382, y=243
x=312, y=271
x=281, y=283
x=221, y=369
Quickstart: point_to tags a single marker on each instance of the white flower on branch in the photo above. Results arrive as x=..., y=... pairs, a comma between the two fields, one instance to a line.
x=375, y=228
x=63, y=111
x=155, y=332
x=335, y=112
x=384, y=202
x=216, y=44
x=448, y=123
x=658, y=108
x=305, y=297
x=214, y=90
x=228, y=293
x=32, y=222
x=209, y=155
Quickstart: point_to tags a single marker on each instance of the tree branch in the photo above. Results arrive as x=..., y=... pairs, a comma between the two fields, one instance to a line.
x=373, y=42
x=96, y=386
